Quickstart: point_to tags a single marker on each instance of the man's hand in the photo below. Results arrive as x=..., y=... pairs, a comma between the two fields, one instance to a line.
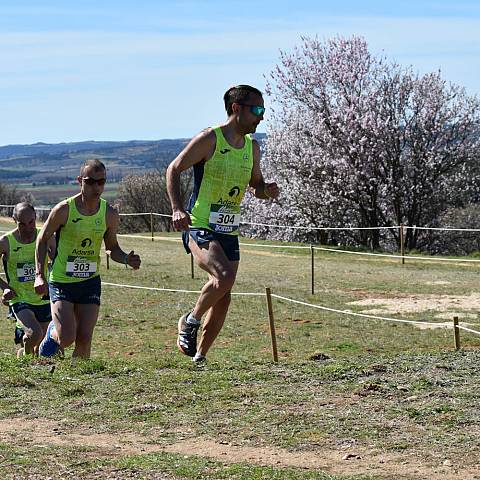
x=133, y=260
x=40, y=285
x=8, y=294
x=271, y=190
x=181, y=220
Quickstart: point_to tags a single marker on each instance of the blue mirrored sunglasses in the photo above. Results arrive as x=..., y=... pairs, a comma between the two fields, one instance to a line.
x=257, y=110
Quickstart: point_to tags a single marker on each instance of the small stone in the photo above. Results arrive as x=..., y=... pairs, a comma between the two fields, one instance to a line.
x=447, y=463
x=412, y=398
x=350, y=456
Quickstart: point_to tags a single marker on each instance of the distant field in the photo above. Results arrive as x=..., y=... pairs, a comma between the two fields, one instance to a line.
x=49, y=195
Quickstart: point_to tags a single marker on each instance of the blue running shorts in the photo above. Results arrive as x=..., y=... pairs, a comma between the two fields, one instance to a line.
x=85, y=292
x=202, y=237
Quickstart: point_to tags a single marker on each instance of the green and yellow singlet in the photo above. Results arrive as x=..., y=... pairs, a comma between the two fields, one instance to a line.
x=219, y=186
x=78, y=245
x=20, y=271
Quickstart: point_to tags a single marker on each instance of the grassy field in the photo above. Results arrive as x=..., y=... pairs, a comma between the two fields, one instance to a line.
x=350, y=398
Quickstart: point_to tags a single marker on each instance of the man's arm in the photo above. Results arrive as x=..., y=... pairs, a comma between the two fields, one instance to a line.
x=57, y=218
x=200, y=148
x=257, y=183
x=111, y=242
x=8, y=293
x=51, y=247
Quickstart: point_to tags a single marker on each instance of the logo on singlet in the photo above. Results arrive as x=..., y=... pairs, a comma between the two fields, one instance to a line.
x=75, y=220
x=224, y=151
x=17, y=249
x=86, y=242
x=234, y=191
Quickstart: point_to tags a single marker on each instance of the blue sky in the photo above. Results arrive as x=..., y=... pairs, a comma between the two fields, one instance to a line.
x=121, y=70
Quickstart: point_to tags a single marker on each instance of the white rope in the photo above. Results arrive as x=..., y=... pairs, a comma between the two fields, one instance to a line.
x=127, y=235
x=468, y=329
x=298, y=227
x=252, y=294
x=445, y=229
x=273, y=246
x=406, y=257
x=145, y=213
x=36, y=208
x=131, y=214
x=317, y=228
x=364, y=315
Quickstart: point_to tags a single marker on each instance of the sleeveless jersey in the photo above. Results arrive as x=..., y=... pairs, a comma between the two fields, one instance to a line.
x=219, y=186
x=78, y=245
x=20, y=271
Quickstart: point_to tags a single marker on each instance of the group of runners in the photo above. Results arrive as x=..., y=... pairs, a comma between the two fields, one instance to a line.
x=56, y=304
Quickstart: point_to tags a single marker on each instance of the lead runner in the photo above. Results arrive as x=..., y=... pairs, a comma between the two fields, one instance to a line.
x=225, y=160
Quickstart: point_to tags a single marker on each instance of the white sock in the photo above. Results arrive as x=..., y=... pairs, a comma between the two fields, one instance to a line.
x=192, y=320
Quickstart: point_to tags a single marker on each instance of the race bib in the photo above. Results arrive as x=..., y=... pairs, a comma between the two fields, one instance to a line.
x=224, y=219
x=25, y=272
x=81, y=267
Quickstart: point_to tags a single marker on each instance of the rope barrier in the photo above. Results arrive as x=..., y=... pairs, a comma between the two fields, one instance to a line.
x=335, y=250
x=364, y=315
x=468, y=329
x=139, y=287
x=168, y=239
x=407, y=257
x=445, y=229
x=318, y=228
x=298, y=227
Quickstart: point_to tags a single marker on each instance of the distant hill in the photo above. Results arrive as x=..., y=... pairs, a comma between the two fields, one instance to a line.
x=59, y=163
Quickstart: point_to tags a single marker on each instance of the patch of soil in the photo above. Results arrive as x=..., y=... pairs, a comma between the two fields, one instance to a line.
x=448, y=306
x=346, y=460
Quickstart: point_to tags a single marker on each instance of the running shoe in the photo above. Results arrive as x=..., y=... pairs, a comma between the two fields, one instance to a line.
x=48, y=347
x=187, y=336
x=199, y=360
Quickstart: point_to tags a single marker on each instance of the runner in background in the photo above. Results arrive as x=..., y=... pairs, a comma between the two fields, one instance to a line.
x=30, y=310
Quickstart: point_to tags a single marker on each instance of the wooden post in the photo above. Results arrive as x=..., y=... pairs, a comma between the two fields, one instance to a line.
x=456, y=333
x=402, y=243
x=192, y=268
x=151, y=224
x=107, y=253
x=272, y=324
x=312, y=256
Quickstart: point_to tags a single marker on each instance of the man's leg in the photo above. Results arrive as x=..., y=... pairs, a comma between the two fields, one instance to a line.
x=221, y=271
x=65, y=323
x=33, y=329
x=86, y=316
x=213, y=323
x=215, y=296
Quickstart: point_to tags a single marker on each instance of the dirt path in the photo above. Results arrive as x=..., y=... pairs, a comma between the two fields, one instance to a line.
x=346, y=461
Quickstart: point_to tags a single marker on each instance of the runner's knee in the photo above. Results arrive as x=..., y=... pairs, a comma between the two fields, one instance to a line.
x=224, y=280
x=33, y=335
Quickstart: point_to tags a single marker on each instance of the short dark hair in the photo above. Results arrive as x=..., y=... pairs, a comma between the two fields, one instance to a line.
x=238, y=94
x=21, y=206
x=95, y=163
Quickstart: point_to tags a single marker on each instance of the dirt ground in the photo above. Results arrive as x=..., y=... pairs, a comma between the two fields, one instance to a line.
x=464, y=307
x=349, y=460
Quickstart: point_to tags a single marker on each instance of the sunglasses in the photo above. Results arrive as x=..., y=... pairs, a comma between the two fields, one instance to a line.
x=257, y=110
x=93, y=181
